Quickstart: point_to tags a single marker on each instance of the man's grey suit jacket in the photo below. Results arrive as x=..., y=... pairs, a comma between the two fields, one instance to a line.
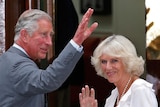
x=23, y=84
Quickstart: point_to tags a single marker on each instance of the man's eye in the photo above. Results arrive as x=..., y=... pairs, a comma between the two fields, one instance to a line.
x=52, y=34
x=44, y=34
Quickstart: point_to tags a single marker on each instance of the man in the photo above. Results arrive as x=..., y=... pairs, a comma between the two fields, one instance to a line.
x=22, y=83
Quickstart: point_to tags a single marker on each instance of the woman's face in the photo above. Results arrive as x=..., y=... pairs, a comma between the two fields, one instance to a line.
x=112, y=67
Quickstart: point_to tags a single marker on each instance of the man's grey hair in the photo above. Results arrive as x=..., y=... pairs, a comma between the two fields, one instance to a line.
x=28, y=21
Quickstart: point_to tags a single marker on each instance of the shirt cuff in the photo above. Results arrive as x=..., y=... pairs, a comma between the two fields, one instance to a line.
x=76, y=46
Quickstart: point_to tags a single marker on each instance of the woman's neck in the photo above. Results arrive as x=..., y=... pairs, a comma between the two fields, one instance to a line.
x=124, y=86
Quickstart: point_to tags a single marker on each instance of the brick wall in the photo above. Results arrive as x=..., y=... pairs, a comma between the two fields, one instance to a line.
x=2, y=26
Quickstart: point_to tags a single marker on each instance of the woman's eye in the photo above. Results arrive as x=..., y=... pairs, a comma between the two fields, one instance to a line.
x=103, y=61
x=114, y=60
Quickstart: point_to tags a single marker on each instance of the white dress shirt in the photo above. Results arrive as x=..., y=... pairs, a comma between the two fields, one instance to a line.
x=76, y=46
x=140, y=94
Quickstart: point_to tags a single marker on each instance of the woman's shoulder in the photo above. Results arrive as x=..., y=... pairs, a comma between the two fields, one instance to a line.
x=141, y=84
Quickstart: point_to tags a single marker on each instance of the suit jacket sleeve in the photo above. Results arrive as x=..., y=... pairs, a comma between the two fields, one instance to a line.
x=29, y=79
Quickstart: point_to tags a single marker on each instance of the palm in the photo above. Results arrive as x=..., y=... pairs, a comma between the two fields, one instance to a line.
x=87, y=97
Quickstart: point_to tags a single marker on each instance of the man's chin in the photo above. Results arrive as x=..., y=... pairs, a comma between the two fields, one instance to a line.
x=43, y=56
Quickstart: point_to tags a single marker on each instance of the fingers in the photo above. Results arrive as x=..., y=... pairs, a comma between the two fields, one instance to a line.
x=92, y=93
x=85, y=21
x=80, y=98
x=91, y=29
x=88, y=14
x=95, y=104
x=83, y=31
x=86, y=92
x=87, y=97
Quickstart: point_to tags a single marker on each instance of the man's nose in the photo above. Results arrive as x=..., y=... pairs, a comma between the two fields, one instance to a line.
x=49, y=40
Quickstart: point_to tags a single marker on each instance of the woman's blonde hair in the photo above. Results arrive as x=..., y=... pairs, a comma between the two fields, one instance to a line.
x=121, y=47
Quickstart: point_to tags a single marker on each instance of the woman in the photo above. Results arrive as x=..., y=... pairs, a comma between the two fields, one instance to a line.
x=116, y=60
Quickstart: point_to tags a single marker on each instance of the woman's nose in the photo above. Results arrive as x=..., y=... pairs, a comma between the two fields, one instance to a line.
x=108, y=65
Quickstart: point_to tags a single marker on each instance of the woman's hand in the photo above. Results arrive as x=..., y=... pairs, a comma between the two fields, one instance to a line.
x=87, y=97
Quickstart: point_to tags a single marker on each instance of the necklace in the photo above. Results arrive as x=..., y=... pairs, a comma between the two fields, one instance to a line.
x=124, y=90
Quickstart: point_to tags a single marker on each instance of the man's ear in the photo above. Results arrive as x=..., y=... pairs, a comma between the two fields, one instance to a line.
x=24, y=35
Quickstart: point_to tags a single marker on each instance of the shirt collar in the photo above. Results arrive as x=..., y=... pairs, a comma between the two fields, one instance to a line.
x=20, y=48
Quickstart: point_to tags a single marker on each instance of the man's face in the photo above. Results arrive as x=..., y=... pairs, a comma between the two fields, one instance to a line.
x=41, y=40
